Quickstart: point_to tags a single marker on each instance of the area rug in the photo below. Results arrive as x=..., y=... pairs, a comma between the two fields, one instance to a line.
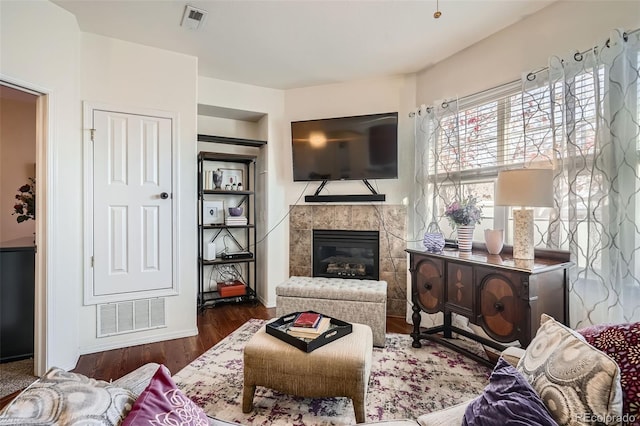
x=405, y=383
x=15, y=376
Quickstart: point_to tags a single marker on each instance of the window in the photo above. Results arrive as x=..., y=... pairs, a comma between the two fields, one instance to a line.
x=512, y=127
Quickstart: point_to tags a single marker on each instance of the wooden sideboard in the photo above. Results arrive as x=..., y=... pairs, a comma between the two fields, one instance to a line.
x=502, y=295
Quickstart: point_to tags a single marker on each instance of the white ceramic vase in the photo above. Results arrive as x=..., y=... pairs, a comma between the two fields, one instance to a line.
x=494, y=239
x=217, y=179
x=465, y=237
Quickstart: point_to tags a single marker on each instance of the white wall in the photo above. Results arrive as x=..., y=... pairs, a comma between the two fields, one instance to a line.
x=124, y=74
x=562, y=27
x=17, y=159
x=228, y=127
x=270, y=198
x=40, y=45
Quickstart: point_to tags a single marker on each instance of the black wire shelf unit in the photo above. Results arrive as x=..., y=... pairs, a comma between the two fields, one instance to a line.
x=231, y=240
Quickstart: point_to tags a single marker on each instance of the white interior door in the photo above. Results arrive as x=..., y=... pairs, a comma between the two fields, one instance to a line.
x=132, y=204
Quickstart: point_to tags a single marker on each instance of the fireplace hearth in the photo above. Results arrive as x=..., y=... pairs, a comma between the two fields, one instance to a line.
x=346, y=254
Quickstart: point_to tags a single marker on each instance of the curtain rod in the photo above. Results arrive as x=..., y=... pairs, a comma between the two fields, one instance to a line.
x=532, y=74
x=578, y=55
x=446, y=101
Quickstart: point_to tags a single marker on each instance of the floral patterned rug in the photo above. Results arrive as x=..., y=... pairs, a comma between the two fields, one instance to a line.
x=405, y=383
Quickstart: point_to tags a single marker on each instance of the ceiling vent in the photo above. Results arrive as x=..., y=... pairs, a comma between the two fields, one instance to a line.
x=193, y=17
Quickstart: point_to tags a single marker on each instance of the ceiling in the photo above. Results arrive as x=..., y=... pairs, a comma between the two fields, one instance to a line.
x=287, y=44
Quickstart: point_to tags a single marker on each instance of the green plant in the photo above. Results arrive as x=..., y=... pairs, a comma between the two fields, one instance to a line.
x=25, y=206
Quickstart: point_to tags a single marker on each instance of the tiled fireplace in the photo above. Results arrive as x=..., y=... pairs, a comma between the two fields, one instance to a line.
x=389, y=221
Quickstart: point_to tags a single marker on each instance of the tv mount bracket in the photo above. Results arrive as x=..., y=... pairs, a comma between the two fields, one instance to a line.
x=324, y=182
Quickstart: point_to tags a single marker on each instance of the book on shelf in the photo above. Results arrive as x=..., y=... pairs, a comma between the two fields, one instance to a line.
x=307, y=319
x=236, y=220
x=310, y=333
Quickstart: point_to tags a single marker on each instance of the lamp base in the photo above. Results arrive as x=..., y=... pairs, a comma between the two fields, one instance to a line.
x=523, y=234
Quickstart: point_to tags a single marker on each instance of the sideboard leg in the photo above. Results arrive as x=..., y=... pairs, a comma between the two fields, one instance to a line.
x=416, y=326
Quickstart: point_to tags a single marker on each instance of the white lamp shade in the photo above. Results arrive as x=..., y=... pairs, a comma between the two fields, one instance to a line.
x=525, y=188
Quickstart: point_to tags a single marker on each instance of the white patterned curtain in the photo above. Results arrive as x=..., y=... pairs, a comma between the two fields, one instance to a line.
x=437, y=133
x=582, y=117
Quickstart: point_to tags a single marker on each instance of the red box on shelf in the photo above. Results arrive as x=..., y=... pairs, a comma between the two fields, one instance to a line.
x=234, y=288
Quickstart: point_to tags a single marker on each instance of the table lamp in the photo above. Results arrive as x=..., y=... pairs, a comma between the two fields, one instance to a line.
x=524, y=188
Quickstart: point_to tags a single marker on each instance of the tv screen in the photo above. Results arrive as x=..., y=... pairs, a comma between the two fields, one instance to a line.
x=352, y=148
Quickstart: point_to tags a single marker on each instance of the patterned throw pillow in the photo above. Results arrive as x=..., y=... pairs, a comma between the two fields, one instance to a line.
x=507, y=399
x=579, y=384
x=162, y=403
x=63, y=398
x=622, y=343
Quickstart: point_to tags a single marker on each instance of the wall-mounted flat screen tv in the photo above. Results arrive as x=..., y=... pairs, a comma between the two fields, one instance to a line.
x=346, y=148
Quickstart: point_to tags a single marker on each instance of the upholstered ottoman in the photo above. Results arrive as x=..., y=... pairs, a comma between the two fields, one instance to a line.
x=360, y=301
x=339, y=368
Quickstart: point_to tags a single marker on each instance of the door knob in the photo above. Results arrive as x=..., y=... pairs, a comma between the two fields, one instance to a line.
x=164, y=195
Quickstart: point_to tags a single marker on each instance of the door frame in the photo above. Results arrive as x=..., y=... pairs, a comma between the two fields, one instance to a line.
x=88, y=196
x=45, y=172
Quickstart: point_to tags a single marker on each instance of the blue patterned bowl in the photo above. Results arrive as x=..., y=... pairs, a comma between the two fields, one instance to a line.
x=433, y=242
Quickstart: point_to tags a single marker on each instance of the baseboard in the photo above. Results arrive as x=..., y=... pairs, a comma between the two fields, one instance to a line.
x=138, y=341
x=264, y=302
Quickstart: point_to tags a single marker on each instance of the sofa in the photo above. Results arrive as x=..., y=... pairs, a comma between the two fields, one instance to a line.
x=561, y=378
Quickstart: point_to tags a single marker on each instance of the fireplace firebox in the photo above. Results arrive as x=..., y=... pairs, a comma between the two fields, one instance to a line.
x=346, y=254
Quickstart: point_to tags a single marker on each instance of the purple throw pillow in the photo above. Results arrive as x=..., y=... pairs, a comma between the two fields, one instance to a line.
x=508, y=399
x=162, y=403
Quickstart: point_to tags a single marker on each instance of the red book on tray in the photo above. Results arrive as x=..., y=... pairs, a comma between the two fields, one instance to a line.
x=307, y=320
x=234, y=288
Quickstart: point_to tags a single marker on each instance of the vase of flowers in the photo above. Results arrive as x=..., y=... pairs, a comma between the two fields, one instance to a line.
x=25, y=206
x=463, y=216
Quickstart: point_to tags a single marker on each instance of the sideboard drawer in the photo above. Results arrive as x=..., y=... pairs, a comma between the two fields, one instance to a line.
x=501, y=308
x=429, y=284
x=460, y=290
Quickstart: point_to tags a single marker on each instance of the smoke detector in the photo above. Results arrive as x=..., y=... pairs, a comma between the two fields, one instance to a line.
x=193, y=18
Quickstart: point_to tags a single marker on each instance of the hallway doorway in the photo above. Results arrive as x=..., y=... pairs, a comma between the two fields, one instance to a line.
x=23, y=172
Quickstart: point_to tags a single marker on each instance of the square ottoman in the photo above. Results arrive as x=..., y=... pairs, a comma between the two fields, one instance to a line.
x=338, y=369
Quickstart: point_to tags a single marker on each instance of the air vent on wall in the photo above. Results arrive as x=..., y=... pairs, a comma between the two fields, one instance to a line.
x=126, y=317
x=193, y=18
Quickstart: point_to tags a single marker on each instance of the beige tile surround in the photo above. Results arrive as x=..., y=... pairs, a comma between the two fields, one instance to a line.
x=389, y=220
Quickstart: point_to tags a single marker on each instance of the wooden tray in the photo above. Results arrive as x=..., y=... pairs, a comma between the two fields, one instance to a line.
x=279, y=327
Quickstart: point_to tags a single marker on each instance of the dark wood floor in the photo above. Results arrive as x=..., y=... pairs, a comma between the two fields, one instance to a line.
x=213, y=325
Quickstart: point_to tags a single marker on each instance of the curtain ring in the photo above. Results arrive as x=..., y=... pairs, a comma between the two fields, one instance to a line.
x=445, y=104
x=577, y=56
x=429, y=110
x=625, y=37
x=531, y=76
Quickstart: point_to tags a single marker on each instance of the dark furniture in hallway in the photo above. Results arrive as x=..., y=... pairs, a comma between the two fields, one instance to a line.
x=17, y=289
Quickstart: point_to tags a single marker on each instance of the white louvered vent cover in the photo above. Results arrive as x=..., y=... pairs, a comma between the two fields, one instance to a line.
x=127, y=317
x=193, y=18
